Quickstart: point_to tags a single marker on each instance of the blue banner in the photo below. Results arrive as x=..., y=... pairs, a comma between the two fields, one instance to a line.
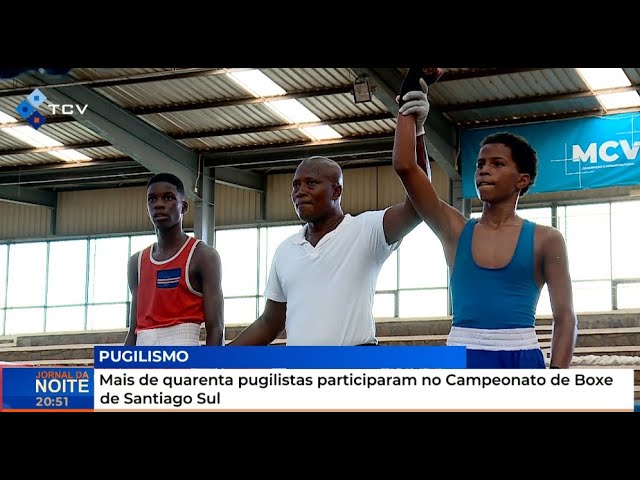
x=280, y=357
x=574, y=154
x=47, y=388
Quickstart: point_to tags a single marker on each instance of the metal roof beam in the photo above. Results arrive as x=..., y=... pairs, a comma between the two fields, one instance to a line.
x=175, y=74
x=189, y=106
x=150, y=147
x=27, y=196
x=249, y=100
x=122, y=166
x=471, y=73
x=291, y=153
x=507, y=102
x=234, y=177
x=209, y=133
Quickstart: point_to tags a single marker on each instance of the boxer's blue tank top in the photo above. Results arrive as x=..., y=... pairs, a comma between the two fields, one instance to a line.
x=495, y=298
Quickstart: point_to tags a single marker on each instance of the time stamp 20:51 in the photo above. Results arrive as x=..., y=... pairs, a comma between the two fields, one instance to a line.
x=52, y=402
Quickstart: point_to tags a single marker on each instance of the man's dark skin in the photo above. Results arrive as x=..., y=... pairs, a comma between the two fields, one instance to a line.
x=499, y=184
x=166, y=208
x=316, y=192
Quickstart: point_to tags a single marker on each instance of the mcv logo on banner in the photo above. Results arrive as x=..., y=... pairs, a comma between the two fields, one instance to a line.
x=607, y=152
x=28, y=109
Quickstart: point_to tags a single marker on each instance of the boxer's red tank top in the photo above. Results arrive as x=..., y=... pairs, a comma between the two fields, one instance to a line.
x=165, y=295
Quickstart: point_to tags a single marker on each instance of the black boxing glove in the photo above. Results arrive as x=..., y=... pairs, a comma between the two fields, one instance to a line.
x=411, y=80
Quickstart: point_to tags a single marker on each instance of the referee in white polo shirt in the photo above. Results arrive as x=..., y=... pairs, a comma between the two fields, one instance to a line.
x=322, y=280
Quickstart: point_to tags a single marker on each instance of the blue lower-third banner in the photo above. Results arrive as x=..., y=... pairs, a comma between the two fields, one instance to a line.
x=46, y=389
x=317, y=357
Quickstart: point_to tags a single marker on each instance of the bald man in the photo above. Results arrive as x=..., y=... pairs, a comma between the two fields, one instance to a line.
x=322, y=280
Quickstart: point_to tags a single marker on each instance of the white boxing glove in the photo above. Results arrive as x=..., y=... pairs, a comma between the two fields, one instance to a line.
x=417, y=104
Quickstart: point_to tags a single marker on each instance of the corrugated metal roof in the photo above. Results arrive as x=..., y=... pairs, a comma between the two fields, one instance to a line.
x=365, y=128
x=491, y=88
x=257, y=139
x=251, y=115
x=513, y=112
x=45, y=158
x=170, y=92
x=27, y=159
x=295, y=79
x=522, y=95
x=65, y=133
x=341, y=105
x=8, y=105
x=256, y=115
x=7, y=83
x=103, y=152
x=69, y=132
x=109, y=73
x=219, y=87
x=633, y=74
x=7, y=142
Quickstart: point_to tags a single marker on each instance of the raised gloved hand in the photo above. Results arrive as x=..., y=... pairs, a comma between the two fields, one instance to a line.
x=416, y=103
x=411, y=80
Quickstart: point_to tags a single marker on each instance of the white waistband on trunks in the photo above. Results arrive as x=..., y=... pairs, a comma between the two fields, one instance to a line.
x=183, y=334
x=494, y=339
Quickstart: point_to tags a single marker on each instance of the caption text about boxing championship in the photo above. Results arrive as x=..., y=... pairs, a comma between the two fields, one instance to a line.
x=393, y=389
